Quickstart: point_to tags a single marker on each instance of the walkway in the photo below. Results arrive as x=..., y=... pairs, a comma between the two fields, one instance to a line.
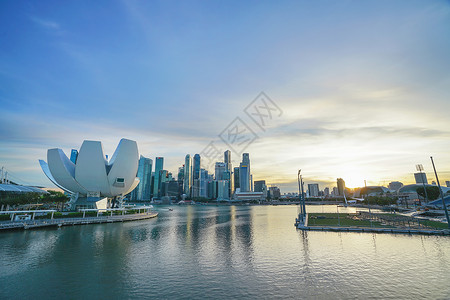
x=30, y=224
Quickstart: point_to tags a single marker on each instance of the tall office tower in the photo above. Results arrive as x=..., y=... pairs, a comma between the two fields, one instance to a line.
x=169, y=176
x=196, y=167
x=159, y=165
x=222, y=190
x=244, y=173
x=181, y=173
x=341, y=186
x=313, y=189
x=74, y=156
x=395, y=185
x=227, y=161
x=173, y=189
x=163, y=179
x=219, y=170
x=236, y=178
x=251, y=182
x=203, y=183
x=144, y=173
x=326, y=192
x=188, y=175
x=212, y=189
x=244, y=180
x=421, y=178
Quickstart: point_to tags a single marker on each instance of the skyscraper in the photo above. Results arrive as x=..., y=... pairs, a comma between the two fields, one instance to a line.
x=313, y=189
x=203, y=183
x=244, y=173
x=144, y=174
x=196, y=167
x=227, y=161
x=188, y=175
x=159, y=165
x=219, y=171
x=236, y=178
x=341, y=186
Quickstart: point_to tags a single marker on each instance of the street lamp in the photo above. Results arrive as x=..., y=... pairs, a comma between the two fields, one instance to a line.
x=302, y=198
x=440, y=192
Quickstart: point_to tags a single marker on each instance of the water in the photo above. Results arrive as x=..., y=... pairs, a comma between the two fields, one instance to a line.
x=197, y=252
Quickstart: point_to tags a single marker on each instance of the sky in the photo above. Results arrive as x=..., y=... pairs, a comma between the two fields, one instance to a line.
x=362, y=87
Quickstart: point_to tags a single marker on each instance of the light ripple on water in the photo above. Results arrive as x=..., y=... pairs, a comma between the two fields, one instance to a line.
x=221, y=252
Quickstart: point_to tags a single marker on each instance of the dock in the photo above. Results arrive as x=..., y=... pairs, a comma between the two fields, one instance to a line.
x=375, y=230
x=32, y=224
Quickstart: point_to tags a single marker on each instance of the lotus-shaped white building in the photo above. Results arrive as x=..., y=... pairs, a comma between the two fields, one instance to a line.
x=92, y=180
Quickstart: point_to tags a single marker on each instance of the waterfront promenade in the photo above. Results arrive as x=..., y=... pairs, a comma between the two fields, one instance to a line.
x=30, y=224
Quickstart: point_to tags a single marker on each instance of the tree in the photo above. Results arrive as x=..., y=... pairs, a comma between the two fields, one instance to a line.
x=432, y=192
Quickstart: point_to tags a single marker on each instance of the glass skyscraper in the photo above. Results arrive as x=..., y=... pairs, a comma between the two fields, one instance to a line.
x=196, y=166
x=236, y=178
x=145, y=176
x=159, y=165
x=188, y=175
x=244, y=173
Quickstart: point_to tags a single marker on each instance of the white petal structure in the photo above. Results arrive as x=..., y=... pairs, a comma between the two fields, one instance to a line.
x=92, y=175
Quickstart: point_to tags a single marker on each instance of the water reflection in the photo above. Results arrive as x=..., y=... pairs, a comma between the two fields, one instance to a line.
x=221, y=252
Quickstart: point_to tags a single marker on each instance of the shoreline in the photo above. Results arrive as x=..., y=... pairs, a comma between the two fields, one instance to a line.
x=41, y=223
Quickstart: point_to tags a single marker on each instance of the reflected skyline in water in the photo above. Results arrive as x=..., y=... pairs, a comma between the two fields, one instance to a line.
x=221, y=252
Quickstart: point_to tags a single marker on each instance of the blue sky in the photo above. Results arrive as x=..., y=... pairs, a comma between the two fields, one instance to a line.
x=364, y=86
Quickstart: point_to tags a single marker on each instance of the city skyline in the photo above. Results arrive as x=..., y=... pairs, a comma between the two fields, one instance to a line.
x=363, y=86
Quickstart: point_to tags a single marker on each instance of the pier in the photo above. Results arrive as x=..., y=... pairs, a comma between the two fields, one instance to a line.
x=31, y=224
x=374, y=223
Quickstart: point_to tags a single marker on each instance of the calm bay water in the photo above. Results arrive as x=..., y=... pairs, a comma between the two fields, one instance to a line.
x=220, y=252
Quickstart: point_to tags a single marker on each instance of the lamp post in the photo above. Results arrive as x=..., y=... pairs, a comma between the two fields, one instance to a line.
x=440, y=192
x=302, y=198
x=299, y=195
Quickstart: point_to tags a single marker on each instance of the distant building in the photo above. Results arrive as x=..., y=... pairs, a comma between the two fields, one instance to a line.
x=313, y=189
x=340, y=187
x=196, y=167
x=222, y=190
x=228, y=165
x=236, y=178
x=421, y=178
x=173, y=189
x=219, y=171
x=326, y=192
x=203, y=183
x=335, y=192
x=187, y=175
x=395, y=185
x=447, y=183
x=144, y=173
x=261, y=187
x=274, y=192
x=244, y=173
x=159, y=165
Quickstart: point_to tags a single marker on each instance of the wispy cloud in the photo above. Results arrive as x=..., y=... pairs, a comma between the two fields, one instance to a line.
x=48, y=25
